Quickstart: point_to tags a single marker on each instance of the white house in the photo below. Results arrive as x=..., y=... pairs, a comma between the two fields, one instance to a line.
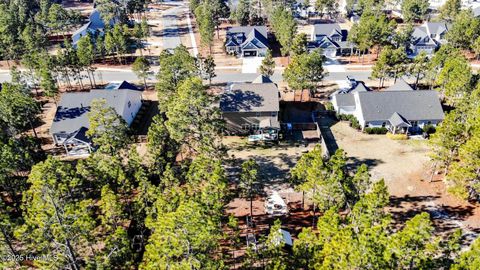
x=70, y=123
x=398, y=108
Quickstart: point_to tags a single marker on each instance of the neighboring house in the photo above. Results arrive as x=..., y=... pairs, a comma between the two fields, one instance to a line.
x=398, y=108
x=94, y=26
x=428, y=37
x=247, y=41
x=247, y=107
x=71, y=119
x=330, y=38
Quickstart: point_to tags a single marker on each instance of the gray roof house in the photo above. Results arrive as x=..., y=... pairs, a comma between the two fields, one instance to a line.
x=330, y=38
x=95, y=25
x=398, y=108
x=247, y=107
x=247, y=40
x=428, y=37
x=71, y=123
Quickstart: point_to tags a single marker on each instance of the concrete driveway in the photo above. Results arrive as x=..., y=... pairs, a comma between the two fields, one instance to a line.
x=251, y=64
x=332, y=65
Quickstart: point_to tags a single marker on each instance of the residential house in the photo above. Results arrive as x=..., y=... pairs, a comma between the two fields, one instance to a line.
x=247, y=41
x=247, y=107
x=94, y=26
x=330, y=38
x=71, y=123
x=398, y=108
x=428, y=37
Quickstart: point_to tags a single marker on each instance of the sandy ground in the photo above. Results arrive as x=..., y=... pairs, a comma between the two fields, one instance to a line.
x=407, y=170
x=275, y=162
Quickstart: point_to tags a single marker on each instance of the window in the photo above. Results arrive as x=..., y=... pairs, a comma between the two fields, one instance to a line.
x=129, y=104
x=255, y=126
x=274, y=114
x=384, y=124
x=429, y=122
x=246, y=127
x=414, y=123
x=257, y=114
x=367, y=125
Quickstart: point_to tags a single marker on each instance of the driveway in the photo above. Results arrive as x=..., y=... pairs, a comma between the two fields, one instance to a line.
x=171, y=33
x=251, y=64
x=332, y=65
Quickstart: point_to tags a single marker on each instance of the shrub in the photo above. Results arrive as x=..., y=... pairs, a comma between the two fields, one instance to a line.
x=329, y=106
x=354, y=123
x=430, y=129
x=376, y=130
x=350, y=118
x=397, y=136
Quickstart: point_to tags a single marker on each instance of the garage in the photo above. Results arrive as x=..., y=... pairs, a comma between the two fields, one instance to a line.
x=249, y=53
x=330, y=52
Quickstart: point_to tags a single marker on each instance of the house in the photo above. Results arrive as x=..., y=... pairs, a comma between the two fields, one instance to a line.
x=330, y=38
x=70, y=123
x=398, y=108
x=247, y=41
x=247, y=107
x=94, y=26
x=428, y=37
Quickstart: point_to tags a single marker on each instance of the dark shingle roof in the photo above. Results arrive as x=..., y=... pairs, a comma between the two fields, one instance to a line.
x=397, y=120
x=73, y=108
x=327, y=29
x=244, y=35
x=400, y=85
x=412, y=105
x=345, y=100
x=115, y=85
x=250, y=97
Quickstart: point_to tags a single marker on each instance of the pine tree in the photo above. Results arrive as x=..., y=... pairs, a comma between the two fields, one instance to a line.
x=268, y=65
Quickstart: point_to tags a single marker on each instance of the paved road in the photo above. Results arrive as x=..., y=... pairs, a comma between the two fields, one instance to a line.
x=104, y=76
x=171, y=33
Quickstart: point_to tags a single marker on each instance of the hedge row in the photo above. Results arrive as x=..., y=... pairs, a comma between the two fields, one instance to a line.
x=376, y=130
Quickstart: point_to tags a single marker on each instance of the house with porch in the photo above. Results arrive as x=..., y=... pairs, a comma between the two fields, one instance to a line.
x=398, y=108
x=330, y=38
x=428, y=37
x=247, y=41
x=249, y=107
x=71, y=123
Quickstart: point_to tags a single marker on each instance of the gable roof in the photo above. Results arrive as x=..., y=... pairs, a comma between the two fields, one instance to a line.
x=422, y=34
x=79, y=135
x=250, y=97
x=116, y=85
x=400, y=85
x=247, y=29
x=397, y=120
x=256, y=39
x=262, y=79
x=412, y=105
x=250, y=37
x=72, y=110
x=327, y=29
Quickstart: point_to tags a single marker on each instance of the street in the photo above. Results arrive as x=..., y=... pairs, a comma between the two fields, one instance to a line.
x=171, y=39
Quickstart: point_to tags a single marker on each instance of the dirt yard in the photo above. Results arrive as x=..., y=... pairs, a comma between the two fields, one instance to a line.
x=275, y=161
x=407, y=170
